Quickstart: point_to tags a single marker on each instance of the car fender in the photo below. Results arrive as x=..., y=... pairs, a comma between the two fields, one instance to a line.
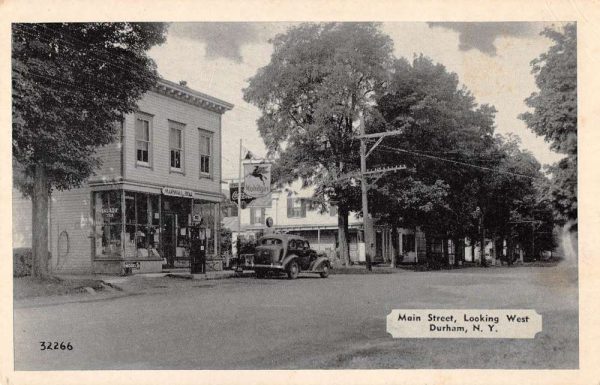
x=288, y=259
x=318, y=263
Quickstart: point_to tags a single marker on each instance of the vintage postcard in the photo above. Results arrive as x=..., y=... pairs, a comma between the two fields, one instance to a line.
x=279, y=192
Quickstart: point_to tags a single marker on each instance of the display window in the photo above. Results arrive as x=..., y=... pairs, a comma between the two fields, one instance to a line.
x=136, y=226
x=142, y=230
x=108, y=224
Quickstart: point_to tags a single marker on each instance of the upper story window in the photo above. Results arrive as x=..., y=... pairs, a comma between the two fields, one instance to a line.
x=205, y=153
x=143, y=135
x=176, y=146
x=333, y=210
x=296, y=207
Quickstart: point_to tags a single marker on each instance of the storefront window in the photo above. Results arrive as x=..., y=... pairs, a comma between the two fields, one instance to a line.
x=108, y=224
x=142, y=234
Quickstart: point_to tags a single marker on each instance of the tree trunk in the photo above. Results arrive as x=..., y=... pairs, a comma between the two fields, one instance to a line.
x=39, y=224
x=446, y=252
x=457, y=250
x=509, y=249
x=495, y=250
x=482, y=241
x=343, y=235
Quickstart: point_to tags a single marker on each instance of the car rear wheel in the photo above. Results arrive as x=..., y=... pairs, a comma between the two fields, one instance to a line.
x=293, y=270
x=325, y=272
x=260, y=273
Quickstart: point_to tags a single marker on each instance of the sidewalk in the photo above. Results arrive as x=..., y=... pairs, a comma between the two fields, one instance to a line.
x=137, y=283
x=115, y=286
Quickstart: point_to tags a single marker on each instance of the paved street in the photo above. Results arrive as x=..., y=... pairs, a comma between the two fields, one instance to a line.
x=311, y=322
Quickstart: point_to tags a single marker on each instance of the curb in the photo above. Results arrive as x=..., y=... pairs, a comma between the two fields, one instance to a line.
x=209, y=277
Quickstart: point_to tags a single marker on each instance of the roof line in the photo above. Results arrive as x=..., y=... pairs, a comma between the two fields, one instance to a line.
x=184, y=93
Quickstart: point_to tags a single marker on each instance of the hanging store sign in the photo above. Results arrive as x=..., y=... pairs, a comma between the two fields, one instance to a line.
x=177, y=192
x=233, y=195
x=257, y=179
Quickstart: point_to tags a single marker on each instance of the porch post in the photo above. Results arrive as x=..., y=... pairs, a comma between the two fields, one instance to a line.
x=319, y=237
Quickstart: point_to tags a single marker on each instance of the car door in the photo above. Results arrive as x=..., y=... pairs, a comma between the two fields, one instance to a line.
x=304, y=254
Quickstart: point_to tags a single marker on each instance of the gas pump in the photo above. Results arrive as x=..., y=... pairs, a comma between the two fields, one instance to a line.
x=198, y=248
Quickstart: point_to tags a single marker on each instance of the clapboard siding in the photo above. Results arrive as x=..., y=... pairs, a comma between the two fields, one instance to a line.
x=21, y=220
x=110, y=156
x=164, y=109
x=70, y=213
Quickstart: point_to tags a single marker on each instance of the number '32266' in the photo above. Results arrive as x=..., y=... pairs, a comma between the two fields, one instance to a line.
x=55, y=345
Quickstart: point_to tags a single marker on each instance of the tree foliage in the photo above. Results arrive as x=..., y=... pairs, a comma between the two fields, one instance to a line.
x=554, y=114
x=439, y=121
x=454, y=162
x=71, y=83
x=320, y=76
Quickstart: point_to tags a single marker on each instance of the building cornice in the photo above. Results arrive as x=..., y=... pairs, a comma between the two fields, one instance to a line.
x=190, y=96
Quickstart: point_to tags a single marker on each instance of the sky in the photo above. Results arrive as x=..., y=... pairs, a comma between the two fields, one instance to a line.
x=491, y=59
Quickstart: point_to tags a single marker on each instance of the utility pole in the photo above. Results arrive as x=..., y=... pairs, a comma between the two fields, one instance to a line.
x=367, y=228
x=367, y=222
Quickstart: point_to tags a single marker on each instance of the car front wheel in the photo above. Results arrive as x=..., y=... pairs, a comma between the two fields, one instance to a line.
x=325, y=272
x=293, y=270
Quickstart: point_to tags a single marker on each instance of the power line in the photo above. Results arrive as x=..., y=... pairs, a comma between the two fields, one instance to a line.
x=399, y=150
x=54, y=79
x=98, y=59
x=86, y=44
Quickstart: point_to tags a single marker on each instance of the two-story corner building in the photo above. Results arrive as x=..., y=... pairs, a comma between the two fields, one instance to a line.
x=159, y=187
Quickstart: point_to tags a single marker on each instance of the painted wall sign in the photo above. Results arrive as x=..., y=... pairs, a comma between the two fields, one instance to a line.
x=177, y=192
x=131, y=264
x=257, y=179
x=109, y=212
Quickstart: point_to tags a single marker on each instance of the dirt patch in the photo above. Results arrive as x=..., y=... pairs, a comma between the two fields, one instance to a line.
x=27, y=287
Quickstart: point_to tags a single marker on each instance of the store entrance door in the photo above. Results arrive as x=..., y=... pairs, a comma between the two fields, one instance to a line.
x=169, y=238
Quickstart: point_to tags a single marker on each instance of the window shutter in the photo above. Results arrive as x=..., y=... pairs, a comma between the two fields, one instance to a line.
x=303, y=208
x=290, y=207
x=252, y=215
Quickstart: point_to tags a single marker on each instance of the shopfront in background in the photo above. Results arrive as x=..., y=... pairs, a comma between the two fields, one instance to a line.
x=151, y=231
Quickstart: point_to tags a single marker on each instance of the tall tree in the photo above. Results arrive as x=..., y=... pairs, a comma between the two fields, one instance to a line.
x=71, y=84
x=442, y=130
x=512, y=195
x=310, y=94
x=554, y=114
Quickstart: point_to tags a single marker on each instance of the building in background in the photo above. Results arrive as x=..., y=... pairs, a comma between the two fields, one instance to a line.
x=159, y=187
x=294, y=211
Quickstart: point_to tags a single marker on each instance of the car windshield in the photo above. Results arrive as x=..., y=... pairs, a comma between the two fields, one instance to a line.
x=270, y=241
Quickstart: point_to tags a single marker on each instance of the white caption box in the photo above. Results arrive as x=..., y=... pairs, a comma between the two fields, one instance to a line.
x=464, y=323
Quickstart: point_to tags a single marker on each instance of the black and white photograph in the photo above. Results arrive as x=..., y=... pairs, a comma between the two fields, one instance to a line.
x=300, y=195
